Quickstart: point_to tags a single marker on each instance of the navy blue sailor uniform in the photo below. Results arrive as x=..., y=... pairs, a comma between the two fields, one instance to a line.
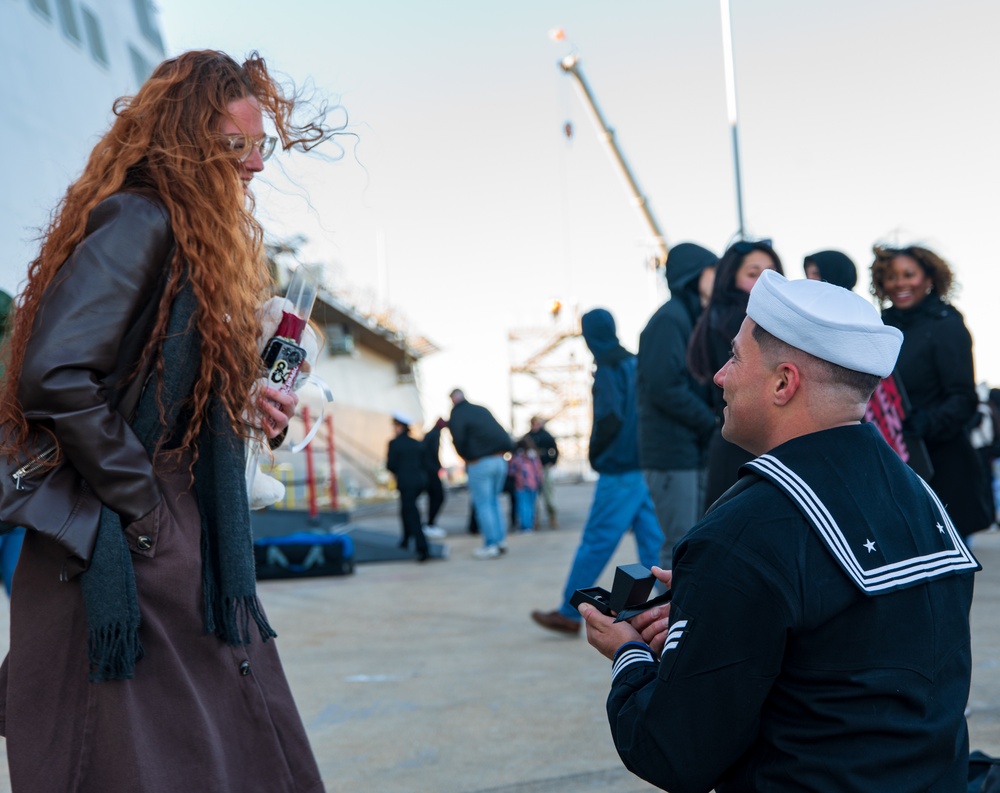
x=819, y=635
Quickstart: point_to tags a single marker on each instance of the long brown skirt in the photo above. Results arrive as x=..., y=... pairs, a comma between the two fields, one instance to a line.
x=198, y=715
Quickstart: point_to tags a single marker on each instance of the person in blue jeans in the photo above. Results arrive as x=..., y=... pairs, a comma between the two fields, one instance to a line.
x=482, y=443
x=621, y=498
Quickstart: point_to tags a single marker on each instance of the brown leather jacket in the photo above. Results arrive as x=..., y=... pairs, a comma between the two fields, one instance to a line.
x=91, y=327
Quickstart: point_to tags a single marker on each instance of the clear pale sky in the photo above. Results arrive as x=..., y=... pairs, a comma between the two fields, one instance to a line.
x=860, y=120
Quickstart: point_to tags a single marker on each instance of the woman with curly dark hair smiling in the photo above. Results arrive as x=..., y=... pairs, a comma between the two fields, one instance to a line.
x=936, y=369
x=154, y=669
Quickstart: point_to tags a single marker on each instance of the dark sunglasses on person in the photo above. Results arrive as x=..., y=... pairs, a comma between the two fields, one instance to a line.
x=744, y=247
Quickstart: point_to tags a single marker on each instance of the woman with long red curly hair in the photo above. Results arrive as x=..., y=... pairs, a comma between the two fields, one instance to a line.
x=134, y=349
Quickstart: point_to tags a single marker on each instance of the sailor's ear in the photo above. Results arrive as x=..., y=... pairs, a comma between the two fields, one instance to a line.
x=787, y=380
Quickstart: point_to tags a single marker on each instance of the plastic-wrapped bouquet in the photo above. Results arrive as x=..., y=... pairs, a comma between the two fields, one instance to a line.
x=287, y=344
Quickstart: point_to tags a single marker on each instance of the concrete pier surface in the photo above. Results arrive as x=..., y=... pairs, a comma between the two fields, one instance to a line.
x=432, y=677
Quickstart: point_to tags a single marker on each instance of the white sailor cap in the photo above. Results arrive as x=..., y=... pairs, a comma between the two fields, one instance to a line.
x=401, y=418
x=827, y=321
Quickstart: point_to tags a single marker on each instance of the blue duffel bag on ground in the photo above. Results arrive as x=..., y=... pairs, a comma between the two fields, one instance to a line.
x=304, y=554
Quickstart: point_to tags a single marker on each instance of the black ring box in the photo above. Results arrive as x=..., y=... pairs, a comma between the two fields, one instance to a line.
x=627, y=598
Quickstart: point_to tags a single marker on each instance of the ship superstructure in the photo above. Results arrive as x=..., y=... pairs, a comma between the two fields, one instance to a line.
x=64, y=63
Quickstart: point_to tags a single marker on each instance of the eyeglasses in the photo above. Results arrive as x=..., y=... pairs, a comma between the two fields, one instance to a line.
x=744, y=247
x=264, y=145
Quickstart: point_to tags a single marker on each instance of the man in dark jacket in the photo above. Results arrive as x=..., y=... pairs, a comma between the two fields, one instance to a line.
x=482, y=442
x=406, y=463
x=548, y=451
x=675, y=414
x=621, y=499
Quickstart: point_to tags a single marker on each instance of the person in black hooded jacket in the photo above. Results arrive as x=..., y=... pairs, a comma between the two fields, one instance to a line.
x=676, y=419
x=621, y=498
x=833, y=267
x=937, y=370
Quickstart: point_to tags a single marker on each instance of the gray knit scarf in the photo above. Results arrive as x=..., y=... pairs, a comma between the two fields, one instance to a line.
x=228, y=576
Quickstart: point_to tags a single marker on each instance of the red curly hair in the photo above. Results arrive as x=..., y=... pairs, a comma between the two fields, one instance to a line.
x=166, y=140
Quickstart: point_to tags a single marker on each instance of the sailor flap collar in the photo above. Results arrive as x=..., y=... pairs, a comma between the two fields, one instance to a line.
x=883, y=524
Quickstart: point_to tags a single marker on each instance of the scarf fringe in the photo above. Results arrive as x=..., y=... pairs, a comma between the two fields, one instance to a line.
x=229, y=617
x=113, y=652
x=231, y=622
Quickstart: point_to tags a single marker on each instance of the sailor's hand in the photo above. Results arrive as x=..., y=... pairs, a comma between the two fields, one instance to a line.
x=654, y=623
x=604, y=633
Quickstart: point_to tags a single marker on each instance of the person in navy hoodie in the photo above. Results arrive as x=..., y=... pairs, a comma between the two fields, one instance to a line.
x=621, y=498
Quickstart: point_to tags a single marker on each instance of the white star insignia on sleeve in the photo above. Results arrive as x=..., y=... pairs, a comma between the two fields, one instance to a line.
x=870, y=546
x=939, y=527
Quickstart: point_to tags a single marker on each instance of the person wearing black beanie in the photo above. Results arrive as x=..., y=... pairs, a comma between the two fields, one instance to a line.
x=833, y=267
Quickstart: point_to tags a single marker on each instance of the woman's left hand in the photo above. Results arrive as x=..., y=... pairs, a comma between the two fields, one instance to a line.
x=274, y=409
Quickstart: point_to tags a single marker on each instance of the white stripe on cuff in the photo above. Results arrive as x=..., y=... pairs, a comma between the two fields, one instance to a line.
x=633, y=655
